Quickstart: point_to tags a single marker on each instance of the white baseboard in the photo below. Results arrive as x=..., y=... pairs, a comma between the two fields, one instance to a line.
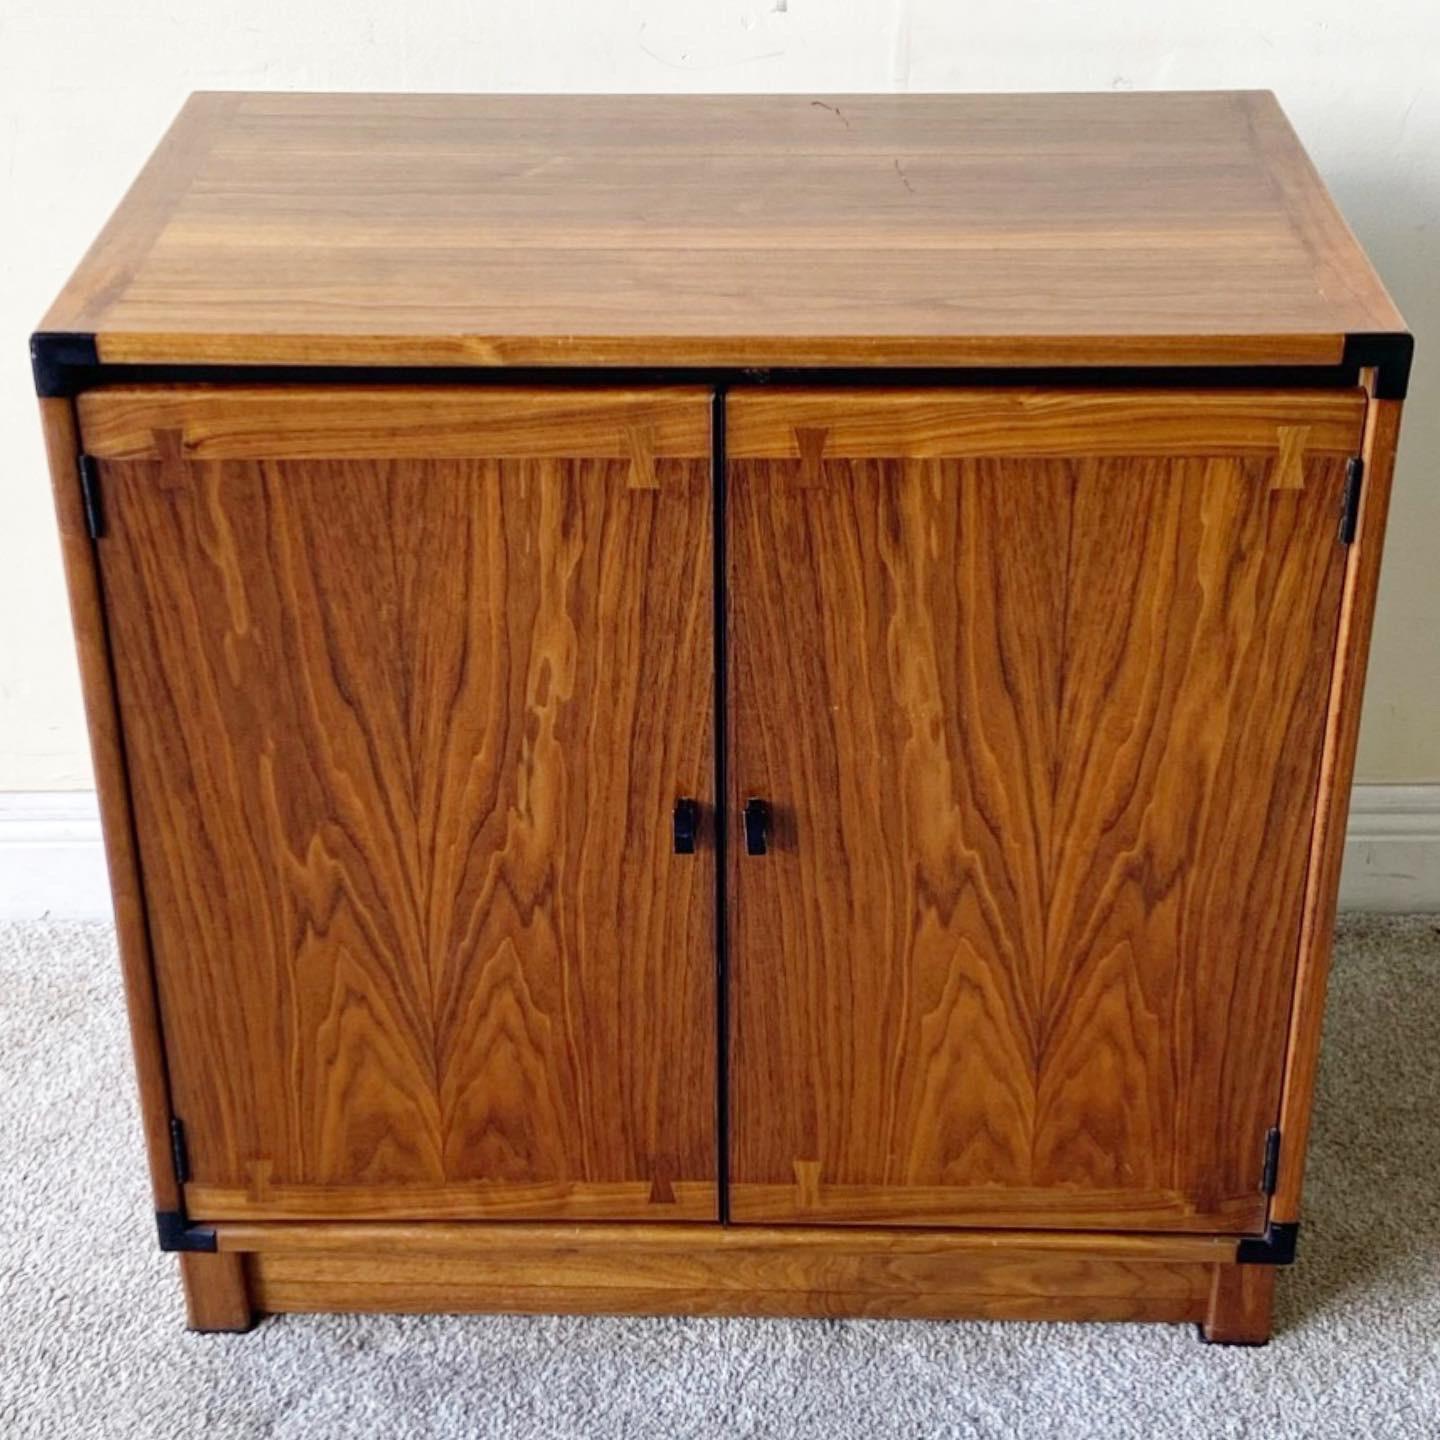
x=1392, y=849
x=52, y=864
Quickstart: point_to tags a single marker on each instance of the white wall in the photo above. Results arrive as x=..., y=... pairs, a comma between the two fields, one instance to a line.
x=87, y=88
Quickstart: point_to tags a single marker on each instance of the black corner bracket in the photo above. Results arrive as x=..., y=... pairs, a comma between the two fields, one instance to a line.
x=60, y=359
x=1389, y=354
x=177, y=1233
x=1275, y=1247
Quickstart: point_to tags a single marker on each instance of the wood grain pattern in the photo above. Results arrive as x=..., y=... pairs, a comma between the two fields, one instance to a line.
x=376, y=422
x=519, y=1244
x=648, y=1199
x=217, y=1292
x=727, y=230
x=1327, y=847
x=687, y=1269
x=875, y=423
x=405, y=737
x=1054, y=694
x=1242, y=1302
x=808, y=1198
x=1042, y=737
x=289, y=1285
x=107, y=753
x=110, y=265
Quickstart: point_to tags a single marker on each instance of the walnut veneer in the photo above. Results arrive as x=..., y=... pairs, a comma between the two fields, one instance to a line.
x=723, y=704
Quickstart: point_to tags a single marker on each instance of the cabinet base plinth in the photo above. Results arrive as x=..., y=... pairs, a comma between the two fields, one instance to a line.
x=217, y=1292
x=1242, y=1299
x=761, y=1271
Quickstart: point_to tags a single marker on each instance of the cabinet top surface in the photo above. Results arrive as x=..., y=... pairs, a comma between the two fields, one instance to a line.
x=1135, y=229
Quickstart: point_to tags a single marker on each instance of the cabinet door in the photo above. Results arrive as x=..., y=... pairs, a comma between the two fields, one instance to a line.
x=1035, y=685
x=410, y=683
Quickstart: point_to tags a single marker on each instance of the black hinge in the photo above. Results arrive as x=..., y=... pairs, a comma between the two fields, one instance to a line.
x=1272, y=1162
x=179, y=1150
x=1350, y=514
x=173, y=1226
x=90, y=496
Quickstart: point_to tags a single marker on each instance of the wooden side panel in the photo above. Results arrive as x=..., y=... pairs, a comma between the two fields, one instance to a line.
x=1328, y=844
x=405, y=739
x=1042, y=738
x=107, y=752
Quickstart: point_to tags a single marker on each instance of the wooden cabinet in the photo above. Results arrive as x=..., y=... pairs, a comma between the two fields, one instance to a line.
x=819, y=751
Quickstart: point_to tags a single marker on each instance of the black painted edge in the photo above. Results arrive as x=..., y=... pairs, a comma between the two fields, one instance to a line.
x=66, y=364
x=1277, y=1246
x=1389, y=353
x=1230, y=1344
x=57, y=357
x=176, y=1233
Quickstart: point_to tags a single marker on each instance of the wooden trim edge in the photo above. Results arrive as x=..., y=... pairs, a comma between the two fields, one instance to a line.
x=600, y=351
x=460, y=1202
x=508, y=1239
x=97, y=683
x=1357, y=612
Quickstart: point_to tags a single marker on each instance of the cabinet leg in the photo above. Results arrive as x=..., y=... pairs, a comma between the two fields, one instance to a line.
x=216, y=1294
x=1242, y=1298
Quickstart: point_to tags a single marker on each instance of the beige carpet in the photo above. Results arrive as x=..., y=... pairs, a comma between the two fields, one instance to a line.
x=91, y=1327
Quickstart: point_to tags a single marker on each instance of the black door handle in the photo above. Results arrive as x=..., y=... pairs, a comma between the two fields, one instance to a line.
x=687, y=825
x=757, y=826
